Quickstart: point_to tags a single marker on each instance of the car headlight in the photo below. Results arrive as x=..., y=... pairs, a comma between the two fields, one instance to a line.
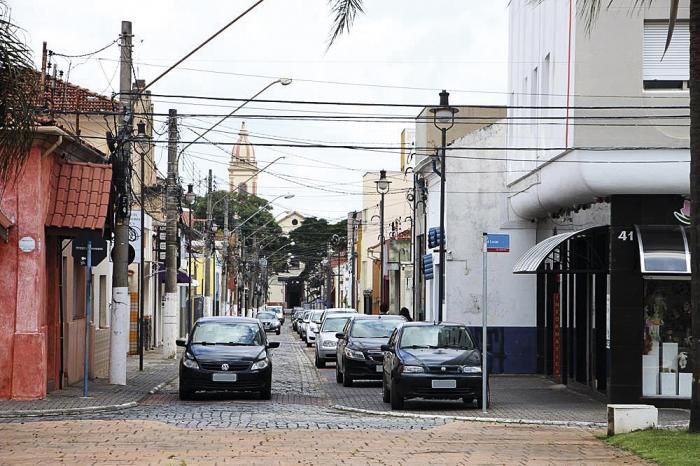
x=189, y=362
x=329, y=344
x=412, y=369
x=471, y=370
x=313, y=326
x=354, y=354
x=260, y=365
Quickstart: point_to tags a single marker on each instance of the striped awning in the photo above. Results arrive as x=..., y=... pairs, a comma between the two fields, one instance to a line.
x=530, y=261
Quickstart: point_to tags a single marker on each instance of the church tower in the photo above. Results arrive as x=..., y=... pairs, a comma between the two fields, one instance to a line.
x=243, y=168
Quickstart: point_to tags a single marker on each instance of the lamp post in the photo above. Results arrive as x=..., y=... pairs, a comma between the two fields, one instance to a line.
x=382, y=185
x=189, y=199
x=443, y=119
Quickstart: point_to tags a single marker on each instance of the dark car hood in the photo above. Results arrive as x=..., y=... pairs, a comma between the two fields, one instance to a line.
x=269, y=320
x=367, y=343
x=226, y=353
x=441, y=356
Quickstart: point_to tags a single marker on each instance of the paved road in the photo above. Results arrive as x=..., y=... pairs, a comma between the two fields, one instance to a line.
x=297, y=427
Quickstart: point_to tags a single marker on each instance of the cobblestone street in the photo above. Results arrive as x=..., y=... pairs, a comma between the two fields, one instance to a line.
x=305, y=424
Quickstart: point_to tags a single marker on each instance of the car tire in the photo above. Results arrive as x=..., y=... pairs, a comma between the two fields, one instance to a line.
x=278, y=332
x=347, y=380
x=320, y=364
x=185, y=393
x=396, y=398
x=308, y=344
x=266, y=393
x=338, y=374
x=386, y=394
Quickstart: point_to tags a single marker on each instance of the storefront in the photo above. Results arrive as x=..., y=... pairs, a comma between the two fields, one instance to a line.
x=613, y=303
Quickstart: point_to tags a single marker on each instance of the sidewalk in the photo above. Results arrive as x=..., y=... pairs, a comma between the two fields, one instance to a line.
x=101, y=395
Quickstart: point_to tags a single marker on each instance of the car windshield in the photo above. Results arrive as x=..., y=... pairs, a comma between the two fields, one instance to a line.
x=266, y=315
x=374, y=328
x=316, y=317
x=436, y=336
x=307, y=316
x=334, y=324
x=225, y=333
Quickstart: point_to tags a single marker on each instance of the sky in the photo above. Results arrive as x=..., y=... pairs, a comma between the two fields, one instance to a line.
x=399, y=51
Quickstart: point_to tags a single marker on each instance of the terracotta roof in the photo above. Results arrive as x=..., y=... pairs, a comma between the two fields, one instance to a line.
x=79, y=195
x=62, y=95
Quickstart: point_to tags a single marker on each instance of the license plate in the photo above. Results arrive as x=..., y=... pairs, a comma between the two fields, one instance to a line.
x=380, y=368
x=444, y=384
x=224, y=377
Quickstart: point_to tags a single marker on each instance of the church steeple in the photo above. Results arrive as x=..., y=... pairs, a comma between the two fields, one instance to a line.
x=243, y=167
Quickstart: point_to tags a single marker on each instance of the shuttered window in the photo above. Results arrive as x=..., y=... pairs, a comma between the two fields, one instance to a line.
x=675, y=65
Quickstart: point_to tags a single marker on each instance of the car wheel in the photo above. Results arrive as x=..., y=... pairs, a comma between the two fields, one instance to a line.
x=266, y=393
x=386, y=394
x=319, y=362
x=278, y=332
x=338, y=374
x=396, y=398
x=347, y=380
x=308, y=344
x=185, y=393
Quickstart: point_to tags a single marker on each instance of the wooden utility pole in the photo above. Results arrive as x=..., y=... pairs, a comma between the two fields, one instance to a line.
x=208, y=243
x=171, y=296
x=119, y=341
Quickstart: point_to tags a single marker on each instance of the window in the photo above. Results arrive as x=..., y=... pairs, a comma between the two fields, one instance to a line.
x=672, y=70
x=544, y=101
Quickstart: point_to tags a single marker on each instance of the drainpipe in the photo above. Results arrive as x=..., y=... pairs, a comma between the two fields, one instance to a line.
x=50, y=150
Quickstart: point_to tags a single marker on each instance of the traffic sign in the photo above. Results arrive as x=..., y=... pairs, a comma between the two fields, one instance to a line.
x=428, y=272
x=99, y=249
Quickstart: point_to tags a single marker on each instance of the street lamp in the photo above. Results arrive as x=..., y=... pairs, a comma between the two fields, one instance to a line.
x=443, y=119
x=382, y=185
x=189, y=199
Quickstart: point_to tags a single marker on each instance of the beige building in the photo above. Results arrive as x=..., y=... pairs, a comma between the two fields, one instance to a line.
x=290, y=221
x=243, y=168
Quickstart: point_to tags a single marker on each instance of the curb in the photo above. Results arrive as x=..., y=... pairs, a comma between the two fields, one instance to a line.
x=494, y=420
x=83, y=409
x=66, y=411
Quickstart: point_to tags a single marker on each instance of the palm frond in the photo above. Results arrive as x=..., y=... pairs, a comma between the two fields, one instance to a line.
x=344, y=12
x=18, y=91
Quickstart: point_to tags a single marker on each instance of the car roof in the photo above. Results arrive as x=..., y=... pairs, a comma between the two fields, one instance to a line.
x=432, y=324
x=378, y=316
x=227, y=319
x=341, y=309
x=338, y=314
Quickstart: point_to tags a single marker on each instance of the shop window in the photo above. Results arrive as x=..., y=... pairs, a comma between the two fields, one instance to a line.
x=667, y=363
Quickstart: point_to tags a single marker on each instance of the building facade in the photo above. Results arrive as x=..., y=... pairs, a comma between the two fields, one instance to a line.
x=243, y=168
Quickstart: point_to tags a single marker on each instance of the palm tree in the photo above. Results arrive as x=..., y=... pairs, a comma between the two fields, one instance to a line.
x=346, y=10
x=18, y=84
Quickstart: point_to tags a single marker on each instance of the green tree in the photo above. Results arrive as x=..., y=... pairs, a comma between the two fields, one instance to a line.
x=312, y=239
x=346, y=10
x=18, y=95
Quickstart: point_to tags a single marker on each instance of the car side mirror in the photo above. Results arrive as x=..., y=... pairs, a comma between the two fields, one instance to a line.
x=181, y=342
x=387, y=348
x=273, y=344
x=340, y=336
x=317, y=331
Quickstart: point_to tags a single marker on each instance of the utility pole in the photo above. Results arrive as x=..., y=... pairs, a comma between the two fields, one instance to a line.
x=119, y=341
x=353, y=288
x=224, y=264
x=171, y=297
x=208, y=249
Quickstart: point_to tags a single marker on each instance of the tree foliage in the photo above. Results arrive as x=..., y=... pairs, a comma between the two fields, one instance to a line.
x=18, y=93
x=312, y=239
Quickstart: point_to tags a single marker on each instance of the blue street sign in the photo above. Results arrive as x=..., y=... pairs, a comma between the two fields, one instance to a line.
x=497, y=243
x=436, y=237
x=428, y=266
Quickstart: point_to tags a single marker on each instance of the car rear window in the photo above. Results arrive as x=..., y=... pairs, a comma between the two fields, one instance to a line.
x=266, y=315
x=234, y=333
x=436, y=336
x=374, y=328
x=316, y=316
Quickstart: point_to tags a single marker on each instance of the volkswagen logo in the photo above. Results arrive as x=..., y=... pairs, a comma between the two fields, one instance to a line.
x=443, y=368
x=224, y=367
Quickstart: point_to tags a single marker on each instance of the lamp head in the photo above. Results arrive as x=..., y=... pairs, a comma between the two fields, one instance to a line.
x=289, y=196
x=190, y=197
x=285, y=81
x=382, y=183
x=444, y=115
x=214, y=227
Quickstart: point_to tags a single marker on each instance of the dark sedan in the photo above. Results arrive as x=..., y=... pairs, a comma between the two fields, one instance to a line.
x=226, y=354
x=359, y=354
x=269, y=321
x=431, y=360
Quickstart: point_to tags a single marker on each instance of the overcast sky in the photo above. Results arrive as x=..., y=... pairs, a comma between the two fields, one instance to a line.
x=399, y=51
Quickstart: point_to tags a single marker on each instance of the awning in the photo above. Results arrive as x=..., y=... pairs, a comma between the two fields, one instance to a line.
x=663, y=250
x=534, y=257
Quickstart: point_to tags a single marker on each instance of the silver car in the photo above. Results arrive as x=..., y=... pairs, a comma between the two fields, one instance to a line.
x=326, y=341
x=301, y=326
x=312, y=327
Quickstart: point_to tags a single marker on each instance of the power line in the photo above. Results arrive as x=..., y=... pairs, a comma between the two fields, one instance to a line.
x=89, y=54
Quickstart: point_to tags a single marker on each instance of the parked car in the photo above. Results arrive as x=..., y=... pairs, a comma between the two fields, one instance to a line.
x=359, y=354
x=432, y=360
x=312, y=326
x=302, y=323
x=337, y=310
x=326, y=340
x=226, y=354
x=269, y=321
x=279, y=313
x=296, y=315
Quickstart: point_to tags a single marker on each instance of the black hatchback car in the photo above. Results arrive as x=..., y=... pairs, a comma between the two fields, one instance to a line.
x=358, y=353
x=432, y=360
x=226, y=354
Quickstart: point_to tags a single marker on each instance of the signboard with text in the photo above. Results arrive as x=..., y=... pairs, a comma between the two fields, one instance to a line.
x=497, y=243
